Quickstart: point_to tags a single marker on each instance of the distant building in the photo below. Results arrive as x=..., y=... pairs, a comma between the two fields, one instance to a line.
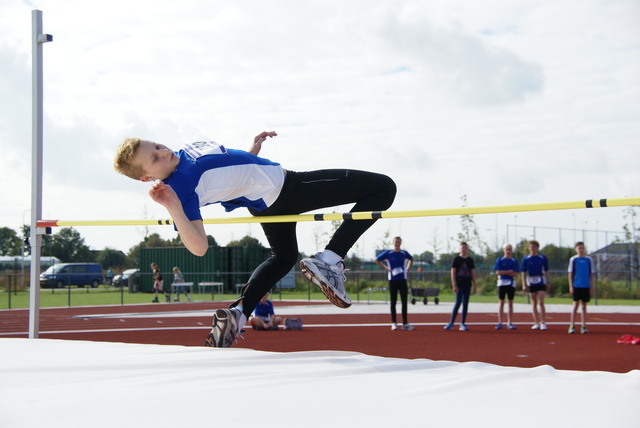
x=18, y=262
x=617, y=261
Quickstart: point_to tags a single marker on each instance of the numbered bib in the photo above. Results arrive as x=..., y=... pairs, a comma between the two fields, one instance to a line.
x=535, y=280
x=397, y=271
x=201, y=148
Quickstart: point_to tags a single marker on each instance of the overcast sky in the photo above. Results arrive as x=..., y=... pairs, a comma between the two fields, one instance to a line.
x=504, y=102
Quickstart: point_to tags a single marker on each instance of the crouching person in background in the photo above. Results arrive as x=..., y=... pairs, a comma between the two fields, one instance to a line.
x=264, y=317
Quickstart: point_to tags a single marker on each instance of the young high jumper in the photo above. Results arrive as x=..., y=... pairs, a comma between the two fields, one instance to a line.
x=206, y=172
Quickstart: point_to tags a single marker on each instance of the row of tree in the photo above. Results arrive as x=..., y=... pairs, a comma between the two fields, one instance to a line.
x=558, y=256
x=66, y=245
x=69, y=246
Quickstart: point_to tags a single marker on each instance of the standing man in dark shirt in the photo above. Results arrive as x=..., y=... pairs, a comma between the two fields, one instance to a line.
x=463, y=281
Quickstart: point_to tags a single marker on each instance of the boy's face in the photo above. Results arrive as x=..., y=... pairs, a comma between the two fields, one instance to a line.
x=580, y=250
x=464, y=250
x=508, y=251
x=397, y=243
x=533, y=249
x=157, y=161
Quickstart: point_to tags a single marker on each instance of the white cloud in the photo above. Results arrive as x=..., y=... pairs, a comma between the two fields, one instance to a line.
x=468, y=69
x=507, y=102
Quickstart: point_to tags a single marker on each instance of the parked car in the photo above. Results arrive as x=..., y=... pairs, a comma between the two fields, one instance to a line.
x=122, y=279
x=79, y=274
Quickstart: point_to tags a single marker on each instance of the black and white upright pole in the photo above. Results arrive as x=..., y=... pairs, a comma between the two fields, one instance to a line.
x=38, y=38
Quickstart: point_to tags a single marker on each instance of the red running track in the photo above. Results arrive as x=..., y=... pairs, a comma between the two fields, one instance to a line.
x=367, y=333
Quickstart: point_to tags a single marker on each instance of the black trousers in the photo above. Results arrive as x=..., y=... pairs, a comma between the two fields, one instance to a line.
x=395, y=286
x=308, y=191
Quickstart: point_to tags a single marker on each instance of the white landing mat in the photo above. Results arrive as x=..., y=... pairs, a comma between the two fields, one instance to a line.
x=56, y=383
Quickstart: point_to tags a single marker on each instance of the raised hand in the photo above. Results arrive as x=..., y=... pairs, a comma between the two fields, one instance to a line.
x=163, y=194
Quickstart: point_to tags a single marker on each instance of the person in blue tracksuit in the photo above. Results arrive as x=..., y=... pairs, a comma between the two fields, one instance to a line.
x=535, y=280
x=506, y=268
x=397, y=263
x=581, y=283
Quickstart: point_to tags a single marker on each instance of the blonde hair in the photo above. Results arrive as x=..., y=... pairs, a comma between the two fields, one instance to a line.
x=123, y=162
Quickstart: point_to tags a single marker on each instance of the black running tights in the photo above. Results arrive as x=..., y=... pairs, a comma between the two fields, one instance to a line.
x=395, y=286
x=308, y=191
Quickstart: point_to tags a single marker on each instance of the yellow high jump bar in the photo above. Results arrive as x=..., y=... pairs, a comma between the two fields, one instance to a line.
x=549, y=206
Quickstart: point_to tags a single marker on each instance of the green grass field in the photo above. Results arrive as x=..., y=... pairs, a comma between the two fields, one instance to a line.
x=74, y=297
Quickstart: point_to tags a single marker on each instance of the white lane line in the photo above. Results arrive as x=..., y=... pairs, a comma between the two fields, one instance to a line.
x=523, y=327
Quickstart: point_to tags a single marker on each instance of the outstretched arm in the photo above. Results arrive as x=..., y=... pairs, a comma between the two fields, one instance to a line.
x=191, y=233
x=258, y=140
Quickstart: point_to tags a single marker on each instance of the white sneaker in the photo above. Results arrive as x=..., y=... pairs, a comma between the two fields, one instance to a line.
x=535, y=327
x=226, y=326
x=543, y=326
x=330, y=279
x=408, y=327
x=394, y=326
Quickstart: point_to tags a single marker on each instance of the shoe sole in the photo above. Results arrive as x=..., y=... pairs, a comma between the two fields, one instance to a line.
x=325, y=288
